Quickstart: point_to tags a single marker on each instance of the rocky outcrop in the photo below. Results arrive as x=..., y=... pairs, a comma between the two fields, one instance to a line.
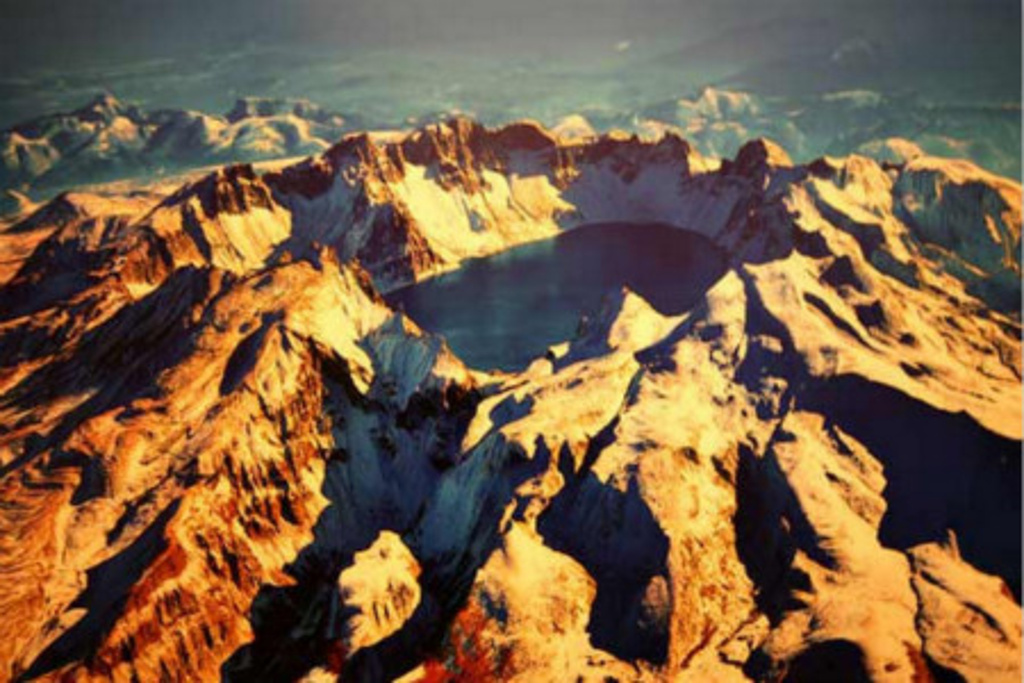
x=223, y=456
x=460, y=190
x=972, y=218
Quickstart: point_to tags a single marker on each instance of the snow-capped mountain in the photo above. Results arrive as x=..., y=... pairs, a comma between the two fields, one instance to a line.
x=108, y=140
x=223, y=455
x=718, y=121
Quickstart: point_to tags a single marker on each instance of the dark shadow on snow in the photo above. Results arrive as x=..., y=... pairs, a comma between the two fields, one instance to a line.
x=944, y=471
x=614, y=535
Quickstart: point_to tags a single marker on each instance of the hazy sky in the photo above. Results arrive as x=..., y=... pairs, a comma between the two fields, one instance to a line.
x=387, y=59
x=60, y=33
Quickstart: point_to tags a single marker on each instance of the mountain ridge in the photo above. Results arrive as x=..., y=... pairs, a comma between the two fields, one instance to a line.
x=223, y=455
x=107, y=140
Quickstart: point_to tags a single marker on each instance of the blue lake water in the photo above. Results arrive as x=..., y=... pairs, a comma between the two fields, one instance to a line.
x=505, y=310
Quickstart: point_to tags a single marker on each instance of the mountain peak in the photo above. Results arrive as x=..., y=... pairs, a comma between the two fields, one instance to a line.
x=14, y=204
x=574, y=128
x=232, y=190
x=715, y=103
x=103, y=107
x=759, y=154
x=526, y=135
x=266, y=107
x=259, y=458
x=893, y=150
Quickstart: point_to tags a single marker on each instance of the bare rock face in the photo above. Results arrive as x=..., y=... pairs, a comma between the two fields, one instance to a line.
x=412, y=205
x=223, y=456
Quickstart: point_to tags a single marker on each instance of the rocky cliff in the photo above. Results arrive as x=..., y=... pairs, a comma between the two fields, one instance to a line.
x=223, y=456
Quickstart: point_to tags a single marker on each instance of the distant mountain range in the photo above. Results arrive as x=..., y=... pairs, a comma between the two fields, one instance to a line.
x=845, y=122
x=108, y=140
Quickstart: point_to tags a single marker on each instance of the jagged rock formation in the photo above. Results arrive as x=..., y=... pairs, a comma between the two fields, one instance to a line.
x=107, y=140
x=222, y=455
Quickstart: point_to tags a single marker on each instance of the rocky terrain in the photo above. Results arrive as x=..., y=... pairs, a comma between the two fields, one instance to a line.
x=108, y=140
x=222, y=456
